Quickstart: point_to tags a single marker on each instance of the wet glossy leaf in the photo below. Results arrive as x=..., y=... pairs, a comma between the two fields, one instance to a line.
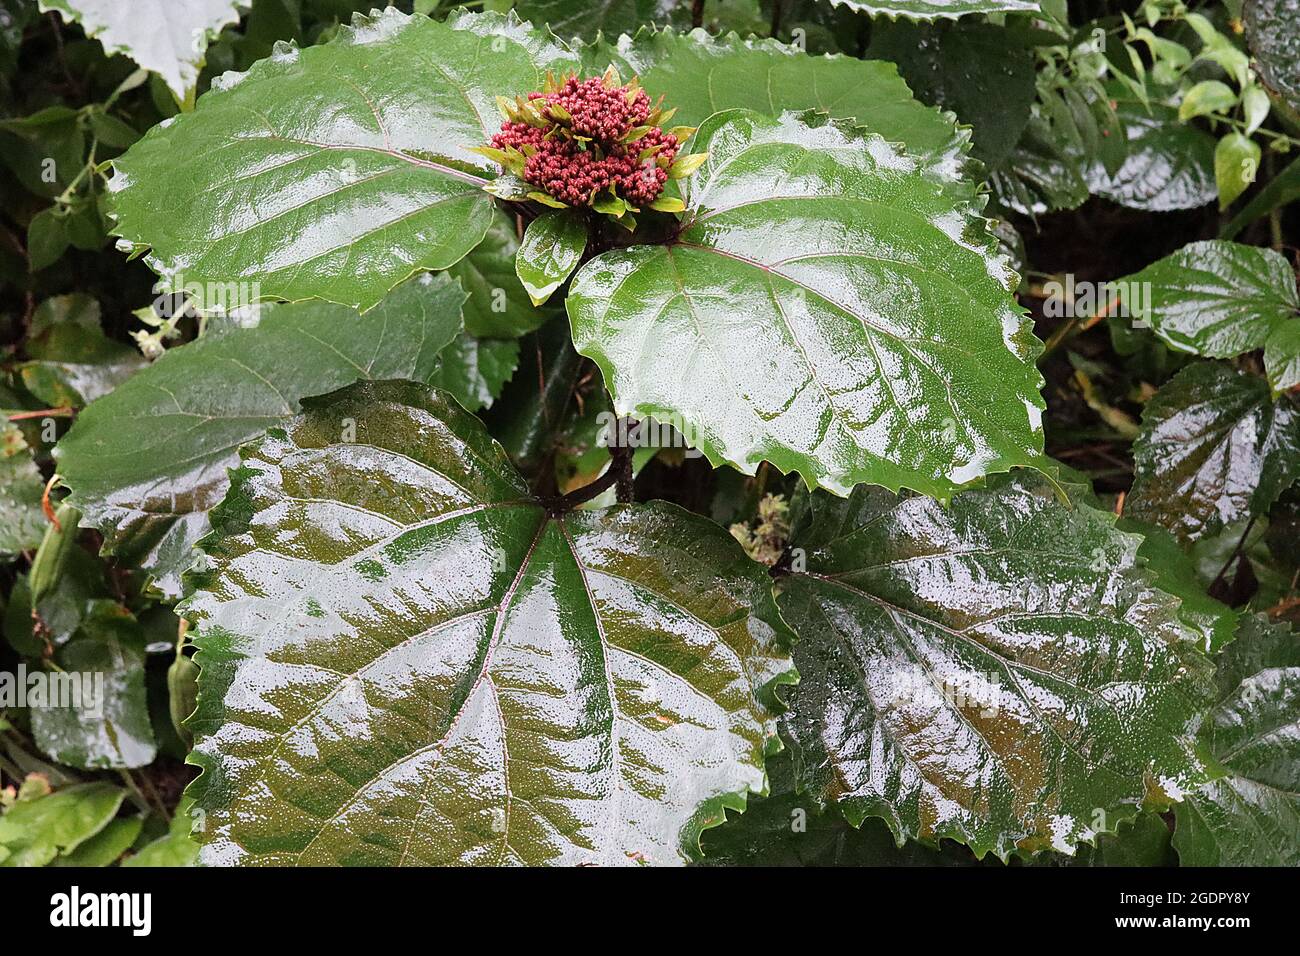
x=590, y=18
x=978, y=70
x=552, y=247
x=1213, y=621
x=1222, y=299
x=476, y=370
x=1038, y=176
x=337, y=171
x=167, y=37
x=790, y=829
x=147, y=462
x=177, y=848
x=1273, y=32
x=1001, y=672
x=107, y=725
x=406, y=660
x=1249, y=815
x=72, y=362
x=935, y=9
x=1236, y=164
x=498, y=305
x=1168, y=164
x=34, y=832
x=825, y=309
x=21, y=485
x=700, y=75
x=1214, y=448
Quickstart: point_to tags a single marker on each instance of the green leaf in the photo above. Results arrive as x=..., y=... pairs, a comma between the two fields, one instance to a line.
x=21, y=522
x=1236, y=164
x=789, y=829
x=167, y=37
x=177, y=848
x=36, y=831
x=1249, y=815
x=498, y=305
x=72, y=361
x=146, y=462
x=1273, y=34
x=551, y=250
x=590, y=19
x=406, y=660
x=337, y=171
x=106, y=846
x=1214, y=448
x=1168, y=164
x=108, y=727
x=1222, y=299
x=1213, y=622
x=47, y=238
x=977, y=70
x=935, y=9
x=1038, y=176
x=1001, y=672
x=1206, y=97
x=476, y=370
x=700, y=75
x=825, y=309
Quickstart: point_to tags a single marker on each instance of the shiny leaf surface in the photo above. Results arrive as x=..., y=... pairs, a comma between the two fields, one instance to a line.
x=498, y=305
x=148, y=461
x=1214, y=448
x=476, y=370
x=1001, y=672
x=1250, y=814
x=552, y=247
x=1222, y=299
x=1273, y=32
x=21, y=485
x=337, y=171
x=405, y=660
x=167, y=37
x=34, y=832
x=935, y=9
x=826, y=309
x=1168, y=165
x=701, y=75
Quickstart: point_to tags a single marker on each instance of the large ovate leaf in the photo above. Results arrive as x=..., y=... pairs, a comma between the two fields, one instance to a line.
x=406, y=660
x=22, y=524
x=827, y=308
x=1214, y=448
x=936, y=9
x=167, y=37
x=1249, y=815
x=1273, y=31
x=35, y=831
x=700, y=75
x=1001, y=672
x=148, y=461
x=1221, y=299
x=337, y=171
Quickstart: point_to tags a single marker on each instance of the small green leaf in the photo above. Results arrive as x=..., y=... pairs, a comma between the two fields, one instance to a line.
x=47, y=238
x=475, y=370
x=1256, y=106
x=551, y=250
x=1206, y=97
x=107, y=846
x=35, y=832
x=498, y=305
x=1236, y=164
